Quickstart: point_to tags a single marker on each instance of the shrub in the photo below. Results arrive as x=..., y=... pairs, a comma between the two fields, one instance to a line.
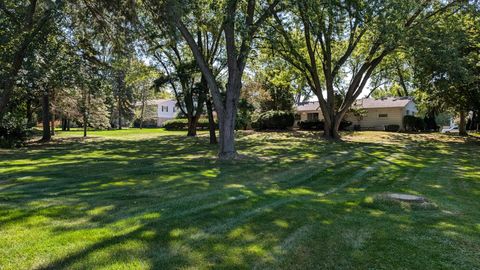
x=311, y=125
x=12, y=132
x=176, y=124
x=419, y=124
x=320, y=125
x=412, y=123
x=182, y=124
x=204, y=124
x=147, y=123
x=394, y=128
x=244, y=114
x=344, y=124
x=274, y=120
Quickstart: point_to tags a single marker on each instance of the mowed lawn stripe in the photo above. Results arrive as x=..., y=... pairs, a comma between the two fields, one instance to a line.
x=293, y=203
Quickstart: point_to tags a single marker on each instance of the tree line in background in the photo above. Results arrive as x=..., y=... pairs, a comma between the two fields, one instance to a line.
x=95, y=64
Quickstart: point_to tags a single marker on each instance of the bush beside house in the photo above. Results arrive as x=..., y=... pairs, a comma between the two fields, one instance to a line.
x=319, y=125
x=394, y=128
x=278, y=120
x=413, y=123
x=182, y=124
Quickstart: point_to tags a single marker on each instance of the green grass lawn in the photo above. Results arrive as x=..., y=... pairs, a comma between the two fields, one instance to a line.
x=154, y=199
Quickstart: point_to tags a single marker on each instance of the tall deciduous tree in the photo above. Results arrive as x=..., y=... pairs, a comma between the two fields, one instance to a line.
x=239, y=22
x=447, y=57
x=342, y=42
x=183, y=76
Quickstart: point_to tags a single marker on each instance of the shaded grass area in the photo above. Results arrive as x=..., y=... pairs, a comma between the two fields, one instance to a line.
x=152, y=199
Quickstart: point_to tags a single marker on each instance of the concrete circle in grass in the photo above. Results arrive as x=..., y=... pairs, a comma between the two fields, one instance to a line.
x=406, y=198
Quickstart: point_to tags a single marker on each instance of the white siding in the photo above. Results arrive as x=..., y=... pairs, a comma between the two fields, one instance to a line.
x=373, y=121
x=411, y=108
x=169, y=111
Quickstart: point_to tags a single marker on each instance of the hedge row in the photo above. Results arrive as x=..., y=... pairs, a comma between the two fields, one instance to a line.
x=274, y=120
x=147, y=123
x=320, y=125
x=182, y=124
x=394, y=128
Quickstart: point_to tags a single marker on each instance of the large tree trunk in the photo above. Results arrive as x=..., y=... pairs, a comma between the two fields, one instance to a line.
x=227, y=117
x=332, y=126
x=211, y=122
x=330, y=130
x=462, y=127
x=46, y=136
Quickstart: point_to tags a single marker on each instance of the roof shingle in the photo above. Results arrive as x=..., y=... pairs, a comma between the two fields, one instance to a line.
x=366, y=103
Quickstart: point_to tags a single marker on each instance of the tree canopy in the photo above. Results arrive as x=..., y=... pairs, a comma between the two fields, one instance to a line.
x=88, y=63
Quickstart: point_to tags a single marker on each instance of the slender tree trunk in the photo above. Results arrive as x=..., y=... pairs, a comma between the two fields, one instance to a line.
x=192, y=126
x=64, y=123
x=68, y=124
x=29, y=114
x=142, y=112
x=52, y=119
x=46, y=136
x=53, y=124
x=119, y=114
x=85, y=123
x=85, y=112
x=211, y=122
x=462, y=127
x=472, y=122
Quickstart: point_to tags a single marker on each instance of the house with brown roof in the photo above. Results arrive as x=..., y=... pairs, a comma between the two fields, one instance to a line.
x=379, y=112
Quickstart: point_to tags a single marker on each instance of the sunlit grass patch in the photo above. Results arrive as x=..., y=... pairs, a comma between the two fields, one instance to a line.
x=153, y=199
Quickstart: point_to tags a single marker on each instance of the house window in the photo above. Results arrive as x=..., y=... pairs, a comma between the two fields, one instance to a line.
x=298, y=117
x=173, y=109
x=408, y=112
x=382, y=115
x=164, y=108
x=312, y=116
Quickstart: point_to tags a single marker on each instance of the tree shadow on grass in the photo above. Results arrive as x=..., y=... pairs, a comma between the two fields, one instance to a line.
x=194, y=210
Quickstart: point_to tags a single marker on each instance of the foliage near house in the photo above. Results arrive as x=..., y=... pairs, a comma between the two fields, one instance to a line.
x=279, y=120
x=182, y=124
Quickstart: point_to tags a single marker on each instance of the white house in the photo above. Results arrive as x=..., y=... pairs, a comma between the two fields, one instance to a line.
x=159, y=109
x=380, y=112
